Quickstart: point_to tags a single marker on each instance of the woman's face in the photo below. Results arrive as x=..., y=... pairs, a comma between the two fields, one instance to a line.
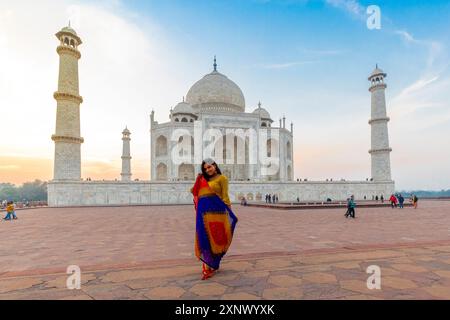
x=210, y=169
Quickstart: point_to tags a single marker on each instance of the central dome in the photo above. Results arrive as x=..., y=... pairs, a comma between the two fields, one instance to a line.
x=215, y=92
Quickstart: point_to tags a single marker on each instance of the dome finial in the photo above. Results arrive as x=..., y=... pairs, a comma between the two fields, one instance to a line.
x=215, y=63
x=259, y=105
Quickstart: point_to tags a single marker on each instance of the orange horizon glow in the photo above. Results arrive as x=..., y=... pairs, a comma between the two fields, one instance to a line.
x=18, y=170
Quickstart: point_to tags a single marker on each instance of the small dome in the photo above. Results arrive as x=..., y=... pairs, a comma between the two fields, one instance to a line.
x=126, y=131
x=377, y=72
x=216, y=88
x=183, y=107
x=69, y=30
x=264, y=113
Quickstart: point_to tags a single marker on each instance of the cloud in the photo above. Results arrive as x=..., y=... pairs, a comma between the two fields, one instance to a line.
x=429, y=91
x=125, y=71
x=417, y=86
x=18, y=170
x=406, y=36
x=426, y=93
x=435, y=49
x=350, y=6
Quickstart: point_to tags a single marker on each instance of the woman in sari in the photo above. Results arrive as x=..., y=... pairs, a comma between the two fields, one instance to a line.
x=215, y=222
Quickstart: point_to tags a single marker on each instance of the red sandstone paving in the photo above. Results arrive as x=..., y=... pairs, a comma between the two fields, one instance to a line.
x=52, y=238
x=146, y=253
x=301, y=279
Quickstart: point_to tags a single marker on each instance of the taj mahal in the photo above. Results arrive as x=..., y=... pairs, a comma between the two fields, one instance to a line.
x=253, y=151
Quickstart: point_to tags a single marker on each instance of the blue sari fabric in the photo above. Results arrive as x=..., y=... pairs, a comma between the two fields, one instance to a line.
x=215, y=224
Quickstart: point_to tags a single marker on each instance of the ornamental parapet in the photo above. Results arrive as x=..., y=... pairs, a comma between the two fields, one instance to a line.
x=68, y=96
x=67, y=139
x=387, y=119
x=377, y=87
x=373, y=151
x=69, y=50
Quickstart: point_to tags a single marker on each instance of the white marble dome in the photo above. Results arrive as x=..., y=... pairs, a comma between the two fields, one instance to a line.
x=183, y=107
x=264, y=113
x=216, y=92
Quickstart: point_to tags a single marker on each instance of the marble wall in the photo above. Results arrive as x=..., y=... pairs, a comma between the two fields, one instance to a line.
x=100, y=193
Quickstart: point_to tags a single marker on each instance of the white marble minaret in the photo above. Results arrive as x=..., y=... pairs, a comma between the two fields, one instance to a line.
x=126, y=158
x=67, y=165
x=380, y=151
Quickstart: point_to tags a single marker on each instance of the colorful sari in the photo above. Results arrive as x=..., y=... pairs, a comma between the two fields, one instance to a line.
x=215, y=224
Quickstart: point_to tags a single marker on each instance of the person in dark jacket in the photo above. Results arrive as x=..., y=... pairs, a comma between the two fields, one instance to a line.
x=401, y=200
x=414, y=201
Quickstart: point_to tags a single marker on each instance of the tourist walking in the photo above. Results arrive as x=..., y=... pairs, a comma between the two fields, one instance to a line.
x=351, y=207
x=348, y=208
x=401, y=200
x=10, y=211
x=382, y=199
x=215, y=221
x=414, y=201
x=393, y=200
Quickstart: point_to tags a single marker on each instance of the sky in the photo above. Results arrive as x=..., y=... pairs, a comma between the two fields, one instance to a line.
x=307, y=60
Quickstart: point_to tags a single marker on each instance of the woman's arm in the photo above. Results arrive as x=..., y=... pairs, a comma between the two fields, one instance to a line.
x=224, y=187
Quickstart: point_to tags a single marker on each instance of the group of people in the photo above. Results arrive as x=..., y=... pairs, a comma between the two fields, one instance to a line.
x=271, y=198
x=376, y=198
x=10, y=211
x=397, y=200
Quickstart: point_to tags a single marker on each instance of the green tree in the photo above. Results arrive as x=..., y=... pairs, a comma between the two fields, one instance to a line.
x=33, y=191
x=30, y=191
x=8, y=191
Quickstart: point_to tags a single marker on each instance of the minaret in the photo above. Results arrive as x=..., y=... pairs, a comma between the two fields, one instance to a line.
x=380, y=151
x=126, y=158
x=67, y=162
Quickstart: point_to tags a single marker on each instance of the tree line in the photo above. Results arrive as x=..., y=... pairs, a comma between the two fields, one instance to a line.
x=29, y=191
x=427, y=194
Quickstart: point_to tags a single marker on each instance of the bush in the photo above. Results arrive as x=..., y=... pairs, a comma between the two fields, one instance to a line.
x=29, y=191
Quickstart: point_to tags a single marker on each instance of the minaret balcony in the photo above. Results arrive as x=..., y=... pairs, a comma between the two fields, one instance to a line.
x=387, y=119
x=67, y=139
x=378, y=86
x=69, y=50
x=373, y=151
x=68, y=96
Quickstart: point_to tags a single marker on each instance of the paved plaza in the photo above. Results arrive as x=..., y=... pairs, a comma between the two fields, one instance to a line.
x=147, y=253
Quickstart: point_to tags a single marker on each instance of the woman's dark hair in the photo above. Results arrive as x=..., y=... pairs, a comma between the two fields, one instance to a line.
x=205, y=174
